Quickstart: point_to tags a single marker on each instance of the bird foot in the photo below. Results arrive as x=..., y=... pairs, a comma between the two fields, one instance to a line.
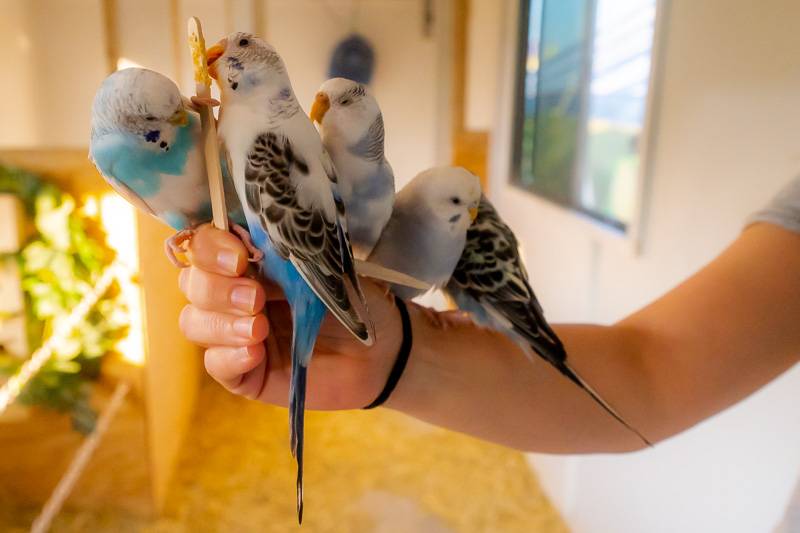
x=176, y=245
x=445, y=320
x=433, y=317
x=198, y=101
x=256, y=255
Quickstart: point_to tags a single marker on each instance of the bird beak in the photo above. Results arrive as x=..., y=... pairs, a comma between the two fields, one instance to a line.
x=473, y=213
x=179, y=118
x=214, y=53
x=320, y=106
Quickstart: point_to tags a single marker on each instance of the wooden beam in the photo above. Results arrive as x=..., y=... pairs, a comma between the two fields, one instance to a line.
x=178, y=31
x=259, y=18
x=460, y=19
x=108, y=10
x=470, y=148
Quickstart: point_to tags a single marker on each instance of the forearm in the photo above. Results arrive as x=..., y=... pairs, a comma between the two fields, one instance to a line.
x=476, y=381
x=703, y=346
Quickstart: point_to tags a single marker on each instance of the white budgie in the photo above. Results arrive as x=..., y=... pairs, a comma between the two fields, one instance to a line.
x=351, y=126
x=287, y=185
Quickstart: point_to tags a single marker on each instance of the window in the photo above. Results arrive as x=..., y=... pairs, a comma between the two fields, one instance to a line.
x=582, y=97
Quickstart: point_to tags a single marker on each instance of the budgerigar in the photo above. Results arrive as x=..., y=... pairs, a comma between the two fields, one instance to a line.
x=426, y=233
x=145, y=141
x=491, y=283
x=476, y=263
x=351, y=126
x=287, y=185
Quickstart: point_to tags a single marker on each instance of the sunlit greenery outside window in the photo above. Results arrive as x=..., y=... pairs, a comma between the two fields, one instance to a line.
x=582, y=93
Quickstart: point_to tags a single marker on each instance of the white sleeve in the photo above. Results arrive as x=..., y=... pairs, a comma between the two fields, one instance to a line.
x=783, y=210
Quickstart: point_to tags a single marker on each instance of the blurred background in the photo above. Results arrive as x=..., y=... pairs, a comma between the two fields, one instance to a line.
x=625, y=141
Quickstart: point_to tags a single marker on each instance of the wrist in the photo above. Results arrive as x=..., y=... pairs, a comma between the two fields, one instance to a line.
x=413, y=391
x=401, y=357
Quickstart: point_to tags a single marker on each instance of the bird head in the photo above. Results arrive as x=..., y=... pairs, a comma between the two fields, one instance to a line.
x=141, y=103
x=344, y=108
x=243, y=63
x=451, y=193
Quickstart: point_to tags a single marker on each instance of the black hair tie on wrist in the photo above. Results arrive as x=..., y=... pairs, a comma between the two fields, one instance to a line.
x=402, y=357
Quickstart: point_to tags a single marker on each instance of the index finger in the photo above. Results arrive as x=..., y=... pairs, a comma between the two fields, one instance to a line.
x=217, y=251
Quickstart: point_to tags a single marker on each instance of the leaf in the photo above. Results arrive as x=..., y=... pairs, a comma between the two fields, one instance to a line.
x=36, y=256
x=59, y=265
x=52, y=219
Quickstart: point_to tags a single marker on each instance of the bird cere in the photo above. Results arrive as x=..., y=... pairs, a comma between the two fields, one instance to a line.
x=318, y=205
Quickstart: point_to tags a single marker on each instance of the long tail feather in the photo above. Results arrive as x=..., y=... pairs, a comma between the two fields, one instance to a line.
x=297, y=401
x=307, y=314
x=573, y=376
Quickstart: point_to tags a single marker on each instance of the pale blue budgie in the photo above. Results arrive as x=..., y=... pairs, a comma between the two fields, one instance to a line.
x=427, y=230
x=145, y=141
x=351, y=127
x=473, y=256
x=287, y=185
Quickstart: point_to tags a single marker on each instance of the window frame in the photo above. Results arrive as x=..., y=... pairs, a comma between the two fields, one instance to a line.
x=630, y=231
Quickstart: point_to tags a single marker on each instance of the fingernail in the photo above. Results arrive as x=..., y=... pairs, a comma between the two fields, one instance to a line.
x=244, y=326
x=244, y=298
x=228, y=260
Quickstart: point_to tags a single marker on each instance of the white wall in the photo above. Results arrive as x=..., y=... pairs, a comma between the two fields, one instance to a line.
x=408, y=70
x=52, y=55
x=484, y=40
x=726, y=140
x=54, y=59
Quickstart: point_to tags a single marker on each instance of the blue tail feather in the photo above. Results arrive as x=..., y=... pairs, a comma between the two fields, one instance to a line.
x=308, y=311
x=307, y=315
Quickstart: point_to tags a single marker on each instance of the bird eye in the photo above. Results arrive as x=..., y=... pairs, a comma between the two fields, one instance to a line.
x=243, y=42
x=346, y=101
x=456, y=200
x=150, y=118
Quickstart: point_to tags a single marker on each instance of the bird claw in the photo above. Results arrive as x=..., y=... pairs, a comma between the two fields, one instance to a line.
x=256, y=255
x=433, y=317
x=445, y=320
x=175, y=246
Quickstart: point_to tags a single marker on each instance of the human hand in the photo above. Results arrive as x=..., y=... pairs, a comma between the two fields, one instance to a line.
x=250, y=355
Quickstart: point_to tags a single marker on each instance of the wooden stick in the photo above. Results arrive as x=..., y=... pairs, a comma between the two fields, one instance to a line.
x=67, y=482
x=209, y=128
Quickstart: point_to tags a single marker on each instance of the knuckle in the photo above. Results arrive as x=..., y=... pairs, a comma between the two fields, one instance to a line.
x=215, y=324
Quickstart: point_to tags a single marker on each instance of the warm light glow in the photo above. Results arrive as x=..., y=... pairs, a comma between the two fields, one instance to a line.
x=119, y=221
x=90, y=207
x=124, y=62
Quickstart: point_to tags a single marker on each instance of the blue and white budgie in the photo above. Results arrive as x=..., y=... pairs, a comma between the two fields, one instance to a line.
x=287, y=185
x=477, y=263
x=351, y=127
x=145, y=141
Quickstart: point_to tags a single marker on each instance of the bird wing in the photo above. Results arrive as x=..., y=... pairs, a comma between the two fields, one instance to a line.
x=490, y=271
x=370, y=146
x=301, y=232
